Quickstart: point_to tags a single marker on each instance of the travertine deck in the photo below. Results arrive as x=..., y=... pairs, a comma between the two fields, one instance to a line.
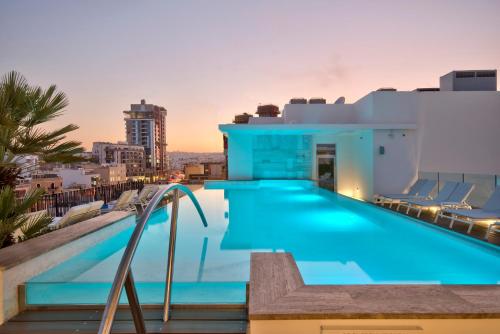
x=277, y=291
x=29, y=249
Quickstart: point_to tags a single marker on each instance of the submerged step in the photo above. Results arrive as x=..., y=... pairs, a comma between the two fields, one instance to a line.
x=202, y=320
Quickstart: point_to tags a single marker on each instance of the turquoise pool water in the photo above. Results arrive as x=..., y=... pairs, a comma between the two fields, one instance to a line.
x=334, y=239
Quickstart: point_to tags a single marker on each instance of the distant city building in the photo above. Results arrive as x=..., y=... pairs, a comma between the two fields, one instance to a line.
x=112, y=174
x=86, y=155
x=178, y=160
x=28, y=164
x=193, y=169
x=78, y=177
x=51, y=183
x=145, y=126
x=205, y=171
x=132, y=156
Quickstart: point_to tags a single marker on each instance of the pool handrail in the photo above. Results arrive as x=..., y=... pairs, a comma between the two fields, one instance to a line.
x=124, y=278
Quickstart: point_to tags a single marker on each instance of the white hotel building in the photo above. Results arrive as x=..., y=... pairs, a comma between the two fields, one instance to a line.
x=378, y=144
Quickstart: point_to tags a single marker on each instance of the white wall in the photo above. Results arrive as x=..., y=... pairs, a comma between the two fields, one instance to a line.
x=333, y=326
x=355, y=164
x=388, y=107
x=266, y=120
x=319, y=113
x=460, y=132
x=354, y=161
x=240, y=157
x=397, y=168
x=75, y=176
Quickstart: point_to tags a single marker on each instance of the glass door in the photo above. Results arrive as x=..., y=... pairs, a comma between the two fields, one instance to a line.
x=325, y=155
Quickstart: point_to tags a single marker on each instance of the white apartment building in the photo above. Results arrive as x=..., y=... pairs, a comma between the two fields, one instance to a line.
x=111, y=174
x=78, y=177
x=379, y=143
x=132, y=156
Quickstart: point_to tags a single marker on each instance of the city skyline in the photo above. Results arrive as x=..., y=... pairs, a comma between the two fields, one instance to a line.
x=206, y=62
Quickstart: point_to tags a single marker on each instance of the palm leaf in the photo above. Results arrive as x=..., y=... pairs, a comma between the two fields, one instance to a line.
x=34, y=225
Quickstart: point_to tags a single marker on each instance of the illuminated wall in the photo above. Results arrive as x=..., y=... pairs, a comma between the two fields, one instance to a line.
x=282, y=156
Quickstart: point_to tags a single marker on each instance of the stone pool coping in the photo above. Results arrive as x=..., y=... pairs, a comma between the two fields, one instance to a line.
x=277, y=292
x=22, y=252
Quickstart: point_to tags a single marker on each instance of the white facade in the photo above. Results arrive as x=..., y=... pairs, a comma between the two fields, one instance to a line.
x=382, y=140
x=77, y=177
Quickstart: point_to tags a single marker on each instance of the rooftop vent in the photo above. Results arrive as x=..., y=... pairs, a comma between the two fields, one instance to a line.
x=268, y=110
x=386, y=89
x=298, y=100
x=242, y=118
x=469, y=80
x=486, y=74
x=340, y=100
x=465, y=74
x=317, y=100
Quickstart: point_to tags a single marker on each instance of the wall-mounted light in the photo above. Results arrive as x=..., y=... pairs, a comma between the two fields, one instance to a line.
x=381, y=150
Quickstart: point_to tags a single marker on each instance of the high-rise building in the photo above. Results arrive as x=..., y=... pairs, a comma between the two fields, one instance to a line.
x=145, y=126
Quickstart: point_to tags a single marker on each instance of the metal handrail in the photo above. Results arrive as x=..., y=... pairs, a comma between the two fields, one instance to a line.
x=124, y=278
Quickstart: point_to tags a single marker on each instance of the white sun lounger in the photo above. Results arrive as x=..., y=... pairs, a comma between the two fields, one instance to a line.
x=125, y=201
x=490, y=211
x=145, y=196
x=389, y=198
x=453, y=194
x=76, y=214
x=423, y=194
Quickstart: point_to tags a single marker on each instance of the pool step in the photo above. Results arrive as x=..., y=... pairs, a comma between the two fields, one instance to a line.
x=186, y=320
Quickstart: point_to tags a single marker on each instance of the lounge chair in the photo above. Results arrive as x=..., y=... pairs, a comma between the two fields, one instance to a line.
x=413, y=191
x=491, y=227
x=125, y=201
x=94, y=209
x=423, y=193
x=145, y=195
x=77, y=214
x=490, y=211
x=453, y=194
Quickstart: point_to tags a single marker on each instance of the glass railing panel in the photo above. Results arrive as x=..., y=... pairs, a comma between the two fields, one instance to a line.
x=428, y=175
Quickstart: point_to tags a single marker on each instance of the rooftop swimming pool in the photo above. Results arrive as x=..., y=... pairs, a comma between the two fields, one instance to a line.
x=334, y=239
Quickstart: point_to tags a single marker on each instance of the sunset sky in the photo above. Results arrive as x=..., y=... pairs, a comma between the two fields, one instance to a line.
x=206, y=61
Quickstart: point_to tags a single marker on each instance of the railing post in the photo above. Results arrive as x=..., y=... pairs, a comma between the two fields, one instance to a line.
x=56, y=204
x=171, y=255
x=135, y=306
x=123, y=270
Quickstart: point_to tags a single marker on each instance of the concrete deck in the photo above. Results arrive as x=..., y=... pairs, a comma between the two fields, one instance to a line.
x=278, y=292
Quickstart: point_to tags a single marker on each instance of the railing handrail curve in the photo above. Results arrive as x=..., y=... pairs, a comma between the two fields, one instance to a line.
x=126, y=261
